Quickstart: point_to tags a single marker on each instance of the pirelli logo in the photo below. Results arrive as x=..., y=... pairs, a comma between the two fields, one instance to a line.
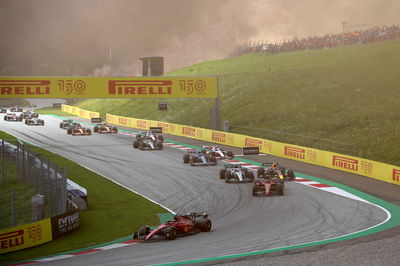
x=189, y=131
x=140, y=87
x=164, y=126
x=81, y=113
x=141, y=124
x=24, y=87
x=11, y=239
x=396, y=175
x=345, y=163
x=294, y=152
x=220, y=137
x=248, y=142
x=123, y=121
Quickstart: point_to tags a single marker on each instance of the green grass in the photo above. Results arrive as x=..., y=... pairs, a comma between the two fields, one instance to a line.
x=113, y=212
x=51, y=110
x=346, y=95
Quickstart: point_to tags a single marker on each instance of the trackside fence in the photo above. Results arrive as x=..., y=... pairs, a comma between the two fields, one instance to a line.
x=26, y=173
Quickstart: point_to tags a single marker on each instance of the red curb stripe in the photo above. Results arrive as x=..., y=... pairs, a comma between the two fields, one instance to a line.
x=85, y=252
x=319, y=185
x=303, y=180
x=131, y=241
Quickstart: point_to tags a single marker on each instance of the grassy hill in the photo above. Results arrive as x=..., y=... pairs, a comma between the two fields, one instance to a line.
x=340, y=99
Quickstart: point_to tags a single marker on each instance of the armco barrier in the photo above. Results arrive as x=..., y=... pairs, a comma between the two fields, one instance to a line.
x=377, y=170
x=25, y=236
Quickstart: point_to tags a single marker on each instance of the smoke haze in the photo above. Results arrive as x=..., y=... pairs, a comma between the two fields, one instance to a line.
x=71, y=37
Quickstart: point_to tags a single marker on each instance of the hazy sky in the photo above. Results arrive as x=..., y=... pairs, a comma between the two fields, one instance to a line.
x=60, y=37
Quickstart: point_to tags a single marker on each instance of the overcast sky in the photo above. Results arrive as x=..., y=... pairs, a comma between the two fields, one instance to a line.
x=60, y=37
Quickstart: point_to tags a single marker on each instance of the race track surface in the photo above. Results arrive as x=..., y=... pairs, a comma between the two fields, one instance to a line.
x=241, y=223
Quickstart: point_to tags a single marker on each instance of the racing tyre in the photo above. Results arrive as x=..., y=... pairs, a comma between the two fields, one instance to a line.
x=88, y=132
x=61, y=125
x=260, y=171
x=279, y=189
x=230, y=154
x=143, y=231
x=69, y=131
x=136, y=144
x=26, y=121
x=96, y=129
x=250, y=175
x=115, y=129
x=170, y=233
x=160, y=138
x=159, y=146
x=291, y=175
x=205, y=226
x=255, y=190
x=222, y=174
x=186, y=158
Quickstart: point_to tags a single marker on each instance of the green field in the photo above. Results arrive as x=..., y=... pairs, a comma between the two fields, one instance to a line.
x=340, y=99
x=114, y=212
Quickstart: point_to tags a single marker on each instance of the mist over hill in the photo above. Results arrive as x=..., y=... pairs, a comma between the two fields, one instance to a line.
x=58, y=37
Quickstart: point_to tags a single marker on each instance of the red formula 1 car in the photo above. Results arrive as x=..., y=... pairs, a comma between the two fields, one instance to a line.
x=266, y=186
x=182, y=225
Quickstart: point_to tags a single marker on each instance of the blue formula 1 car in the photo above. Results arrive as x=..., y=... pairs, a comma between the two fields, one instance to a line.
x=199, y=158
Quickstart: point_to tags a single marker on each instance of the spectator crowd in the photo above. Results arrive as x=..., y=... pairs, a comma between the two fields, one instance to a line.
x=375, y=34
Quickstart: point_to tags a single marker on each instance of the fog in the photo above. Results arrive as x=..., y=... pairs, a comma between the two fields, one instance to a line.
x=71, y=37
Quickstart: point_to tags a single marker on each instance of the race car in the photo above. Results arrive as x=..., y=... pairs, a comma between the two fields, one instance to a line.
x=148, y=141
x=66, y=123
x=218, y=153
x=29, y=114
x=199, y=158
x=235, y=173
x=16, y=109
x=78, y=130
x=34, y=122
x=275, y=170
x=105, y=128
x=266, y=185
x=182, y=225
x=12, y=117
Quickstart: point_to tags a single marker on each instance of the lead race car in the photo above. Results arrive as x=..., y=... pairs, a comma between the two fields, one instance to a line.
x=66, y=123
x=148, y=140
x=105, y=128
x=199, y=158
x=235, y=173
x=182, y=225
x=218, y=152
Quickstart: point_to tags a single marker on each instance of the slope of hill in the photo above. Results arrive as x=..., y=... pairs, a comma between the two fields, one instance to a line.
x=340, y=99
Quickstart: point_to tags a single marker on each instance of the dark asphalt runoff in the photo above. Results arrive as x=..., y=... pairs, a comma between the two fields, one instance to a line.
x=241, y=223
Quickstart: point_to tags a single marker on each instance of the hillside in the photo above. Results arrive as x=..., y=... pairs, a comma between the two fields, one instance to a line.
x=340, y=99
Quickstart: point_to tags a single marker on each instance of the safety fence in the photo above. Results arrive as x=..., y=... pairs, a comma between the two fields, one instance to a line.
x=356, y=165
x=19, y=165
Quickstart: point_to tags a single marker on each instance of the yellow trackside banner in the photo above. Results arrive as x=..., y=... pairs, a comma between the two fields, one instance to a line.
x=108, y=87
x=25, y=236
x=351, y=164
x=79, y=112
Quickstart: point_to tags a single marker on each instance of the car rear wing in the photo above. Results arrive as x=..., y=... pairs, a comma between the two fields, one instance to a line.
x=156, y=129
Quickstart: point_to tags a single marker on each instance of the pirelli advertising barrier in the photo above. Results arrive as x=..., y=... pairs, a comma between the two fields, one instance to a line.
x=40, y=232
x=25, y=236
x=108, y=87
x=351, y=164
x=79, y=112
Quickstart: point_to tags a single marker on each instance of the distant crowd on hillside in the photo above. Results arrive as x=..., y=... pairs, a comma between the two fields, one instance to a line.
x=376, y=34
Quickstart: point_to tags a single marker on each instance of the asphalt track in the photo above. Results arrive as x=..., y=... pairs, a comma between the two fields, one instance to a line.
x=241, y=223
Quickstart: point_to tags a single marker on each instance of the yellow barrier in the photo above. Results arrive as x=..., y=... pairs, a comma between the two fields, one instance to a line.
x=108, y=87
x=25, y=236
x=377, y=170
x=79, y=112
